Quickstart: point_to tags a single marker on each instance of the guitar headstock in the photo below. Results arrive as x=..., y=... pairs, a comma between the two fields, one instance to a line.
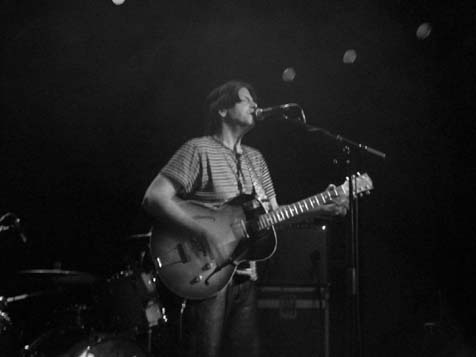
x=362, y=183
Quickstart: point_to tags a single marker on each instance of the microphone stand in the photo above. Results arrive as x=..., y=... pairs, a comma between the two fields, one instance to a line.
x=353, y=273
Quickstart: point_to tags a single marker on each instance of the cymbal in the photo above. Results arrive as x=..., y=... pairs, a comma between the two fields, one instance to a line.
x=139, y=236
x=59, y=276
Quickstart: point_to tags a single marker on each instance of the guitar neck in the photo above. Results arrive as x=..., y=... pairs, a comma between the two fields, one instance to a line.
x=306, y=205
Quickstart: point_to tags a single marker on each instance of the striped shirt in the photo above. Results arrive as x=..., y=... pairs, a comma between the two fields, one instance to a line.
x=205, y=170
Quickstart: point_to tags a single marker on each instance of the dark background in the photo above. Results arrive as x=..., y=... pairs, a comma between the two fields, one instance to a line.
x=96, y=97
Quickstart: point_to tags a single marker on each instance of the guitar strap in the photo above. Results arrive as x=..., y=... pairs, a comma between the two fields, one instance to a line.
x=261, y=196
x=258, y=189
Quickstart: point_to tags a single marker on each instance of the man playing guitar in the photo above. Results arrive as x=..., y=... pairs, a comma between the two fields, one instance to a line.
x=202, y=254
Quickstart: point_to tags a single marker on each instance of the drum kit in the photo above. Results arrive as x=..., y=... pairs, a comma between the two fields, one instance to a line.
x=55, y=312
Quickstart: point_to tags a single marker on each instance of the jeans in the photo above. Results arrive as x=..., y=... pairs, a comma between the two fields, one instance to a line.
x=224, y=325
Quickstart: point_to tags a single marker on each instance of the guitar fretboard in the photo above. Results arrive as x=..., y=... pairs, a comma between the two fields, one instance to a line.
x=295, y=209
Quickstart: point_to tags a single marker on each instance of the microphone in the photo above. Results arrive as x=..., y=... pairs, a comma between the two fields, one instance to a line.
x=279, y=110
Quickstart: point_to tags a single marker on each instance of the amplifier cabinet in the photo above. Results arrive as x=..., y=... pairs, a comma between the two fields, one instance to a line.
x=300, y=257
x=293, y=321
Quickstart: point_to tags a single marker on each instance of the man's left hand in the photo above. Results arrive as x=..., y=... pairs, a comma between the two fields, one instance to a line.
x=338, y=206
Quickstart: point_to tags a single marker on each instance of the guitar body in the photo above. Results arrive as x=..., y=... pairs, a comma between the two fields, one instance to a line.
x=187, y=265
x=199, y=267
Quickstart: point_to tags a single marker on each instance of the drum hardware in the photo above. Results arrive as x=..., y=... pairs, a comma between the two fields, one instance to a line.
x=109, y=345
x=67, y=341
x=137, y=254
x=155, y=313
x=44, y=299
x=150, y=282
x=20, y=297
x=128, y=272
x=72, y=327
x=75, y=315
x=133, y=300
x=14, y=225
x=133, y=307
x=5, y=321
x=58, y=276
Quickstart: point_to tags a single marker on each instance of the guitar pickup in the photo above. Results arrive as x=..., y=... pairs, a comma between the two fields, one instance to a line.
x=177, y=255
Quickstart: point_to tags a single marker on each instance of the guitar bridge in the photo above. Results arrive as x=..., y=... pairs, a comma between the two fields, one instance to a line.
x=196, y=279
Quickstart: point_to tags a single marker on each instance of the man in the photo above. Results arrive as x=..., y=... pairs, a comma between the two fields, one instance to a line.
x=214, y=169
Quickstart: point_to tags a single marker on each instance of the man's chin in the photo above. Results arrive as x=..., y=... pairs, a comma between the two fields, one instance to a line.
x=249, y=126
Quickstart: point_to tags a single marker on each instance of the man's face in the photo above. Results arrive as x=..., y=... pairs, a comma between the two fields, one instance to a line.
x=241, y=113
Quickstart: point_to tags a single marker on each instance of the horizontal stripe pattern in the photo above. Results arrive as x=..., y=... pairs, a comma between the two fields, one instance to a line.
x=205, y=170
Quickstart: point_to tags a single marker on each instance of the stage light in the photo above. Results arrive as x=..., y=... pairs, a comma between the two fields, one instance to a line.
x=423, y=31
x=349, y=56
x=289, y=74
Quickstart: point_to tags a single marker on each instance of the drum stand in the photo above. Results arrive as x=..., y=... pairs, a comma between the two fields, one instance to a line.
x=5, y=321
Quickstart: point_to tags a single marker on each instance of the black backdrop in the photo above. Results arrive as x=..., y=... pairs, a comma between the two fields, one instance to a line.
x=96, y=97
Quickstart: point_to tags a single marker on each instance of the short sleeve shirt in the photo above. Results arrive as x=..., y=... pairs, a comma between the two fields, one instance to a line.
x=205, y=170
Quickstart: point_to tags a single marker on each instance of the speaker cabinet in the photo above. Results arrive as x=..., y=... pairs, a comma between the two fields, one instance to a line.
x=300, y=257
x=293, y=321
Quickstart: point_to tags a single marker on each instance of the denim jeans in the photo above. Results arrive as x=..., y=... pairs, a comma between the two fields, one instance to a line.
x=224, y=325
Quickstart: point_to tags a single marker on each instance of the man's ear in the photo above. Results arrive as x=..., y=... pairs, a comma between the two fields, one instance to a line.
x=222, y=113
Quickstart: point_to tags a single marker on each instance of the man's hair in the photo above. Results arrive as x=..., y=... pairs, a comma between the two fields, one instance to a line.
x=223, y=97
